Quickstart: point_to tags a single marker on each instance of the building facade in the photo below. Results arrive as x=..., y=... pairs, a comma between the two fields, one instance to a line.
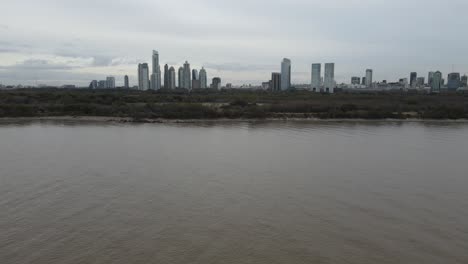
x=126, y=82
x=453, y=81
x=413, y=79
x=110, y=82
x=329, y=80
x=216, y=84
x=203, y=79
x=316, y=78
x=143, y=77
x=369, y=76
x=285, y=74
x=436, y=82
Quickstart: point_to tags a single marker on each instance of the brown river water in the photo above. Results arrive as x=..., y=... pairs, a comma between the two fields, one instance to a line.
x=240, y=192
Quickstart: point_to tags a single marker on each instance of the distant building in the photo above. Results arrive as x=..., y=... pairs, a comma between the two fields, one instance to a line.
x=216, y=84
x=102, y=84
x=329, y=80
x=464, y=81
x=126, y=82
x=355, y=80
x=229, y=86
x=110, y=82
x=413, y=79
x=429, y=78
x=172, y=79
x=143, y=77
x=369, y=76
x=166, y=77
x=93, y=84
x=156, y=73
x=363, y=81
x=316, y=77
x=436, y=82
x=404, y=82
x=265, y=85
x=187, y=80
x=203, y=78
x=276, y=82
x=195, y=75
x=181, y=77
x=285, y=74
x=453, y=81
x=420, y=81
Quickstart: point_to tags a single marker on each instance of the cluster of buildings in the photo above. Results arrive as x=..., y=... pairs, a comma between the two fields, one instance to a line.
x=153, y=79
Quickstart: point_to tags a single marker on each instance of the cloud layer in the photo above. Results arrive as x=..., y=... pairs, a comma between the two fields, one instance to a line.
x=242, y=41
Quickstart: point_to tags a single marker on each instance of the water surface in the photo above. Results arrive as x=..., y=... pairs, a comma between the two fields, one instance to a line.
x=273, y=192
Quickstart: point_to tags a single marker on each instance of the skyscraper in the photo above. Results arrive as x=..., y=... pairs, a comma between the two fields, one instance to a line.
x=203, y=79
x=316, y=79
x=276, y=81
x=126, y=82
x=413, y=79
x=195, y=74
x=156, y=74
x=110, y=82
x=420, y=81
x=369, y=75
x=216, y=84
x=143, y=76
x=453, y=81
x=436, y=82
x=172, y=79
x=93, y=84
x=166, y=77
x=285, y=74
x=181, y=77
x=464, y=81
x=329, y=80
x=187, y=80
x=430, y=77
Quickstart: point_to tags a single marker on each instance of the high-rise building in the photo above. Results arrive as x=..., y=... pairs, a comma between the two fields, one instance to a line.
x=436, y=82
x=355, y=80
x=166, y=77
x=464, y=81
x=196, y=84
x=430, y=77
x=172, y=79
x=102, y=84
x=143, y=77
x=285, y=74
x=275, y=81
x=329, y=80
x=216, y=84
x=203, y=79
x=363, y=81
x=126, y=82
x=93, y=84
x=413, y=79
x=110, y=82
x=195, y=74
x=453, y=81
x=420, y=81
x=156, y=73
x=187, y=80
x=181, y=77
x=316, y=79
x=369, y=76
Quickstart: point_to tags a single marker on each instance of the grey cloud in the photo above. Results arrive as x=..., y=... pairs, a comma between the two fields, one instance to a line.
x=238, y=67
x=37, y=65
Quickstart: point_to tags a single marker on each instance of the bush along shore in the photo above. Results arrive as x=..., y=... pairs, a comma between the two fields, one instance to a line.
x=233, y=104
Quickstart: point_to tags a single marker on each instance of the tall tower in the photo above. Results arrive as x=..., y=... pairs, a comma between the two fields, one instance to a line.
x=187, y=76
x=166, y=77
x=413, y=79
x=329, y=80
x=203, y=79
x=181, y=77
x=143, y=76
x=126, y=82
x=369, y=73
x=285, y=74
x=436, y=82
x=156, y=74
x=316, y=78
x=172, y=79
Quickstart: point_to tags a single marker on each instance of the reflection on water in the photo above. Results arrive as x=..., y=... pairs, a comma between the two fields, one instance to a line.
x=234, y=192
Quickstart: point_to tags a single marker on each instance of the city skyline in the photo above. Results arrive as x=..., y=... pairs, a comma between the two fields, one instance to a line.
x=74, y=42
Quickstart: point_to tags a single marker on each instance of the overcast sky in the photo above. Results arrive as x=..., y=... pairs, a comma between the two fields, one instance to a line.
x=72, y=42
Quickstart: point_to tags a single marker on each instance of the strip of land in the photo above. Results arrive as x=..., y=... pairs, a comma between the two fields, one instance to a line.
x=138, y=106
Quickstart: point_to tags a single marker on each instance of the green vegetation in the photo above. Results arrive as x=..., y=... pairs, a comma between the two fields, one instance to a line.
x=229, y=104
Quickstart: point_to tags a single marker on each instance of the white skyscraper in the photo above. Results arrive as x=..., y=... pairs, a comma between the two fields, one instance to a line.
x=316, y=82
x=172, y=78
x=187, y=80
x=369, y=81
x=285, y=74
x=143, y=76
x=156, y=74
x=329, y=80
x=110, y=82
x=203, y=79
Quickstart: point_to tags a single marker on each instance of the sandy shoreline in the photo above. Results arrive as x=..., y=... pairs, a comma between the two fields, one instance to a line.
x=169, y=121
